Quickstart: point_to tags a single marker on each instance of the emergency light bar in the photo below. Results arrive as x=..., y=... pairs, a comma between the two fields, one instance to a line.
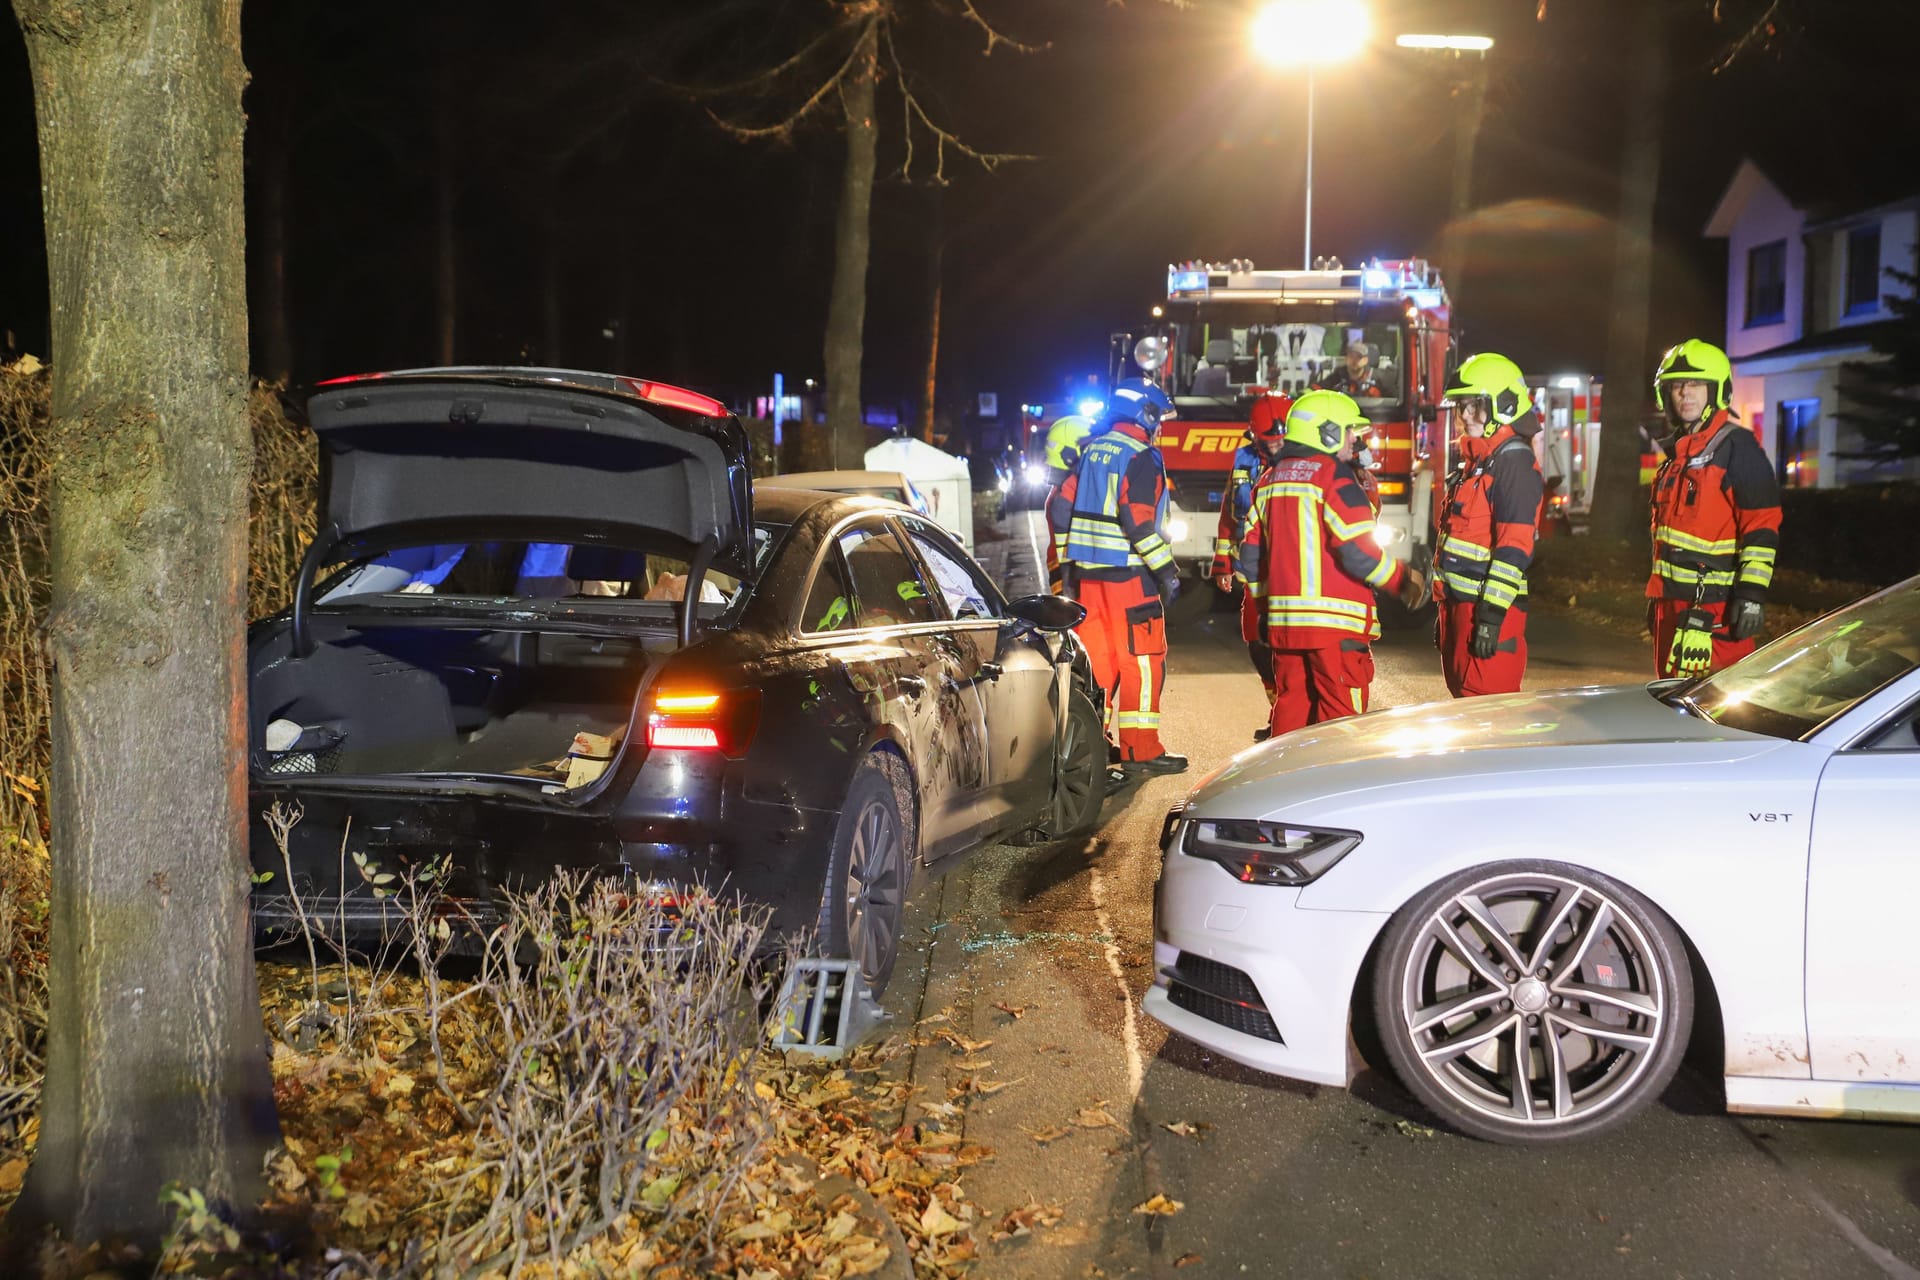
x=1413, y=279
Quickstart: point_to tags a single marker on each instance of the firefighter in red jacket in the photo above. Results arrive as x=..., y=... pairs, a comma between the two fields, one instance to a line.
x=1266, y=432
x=1105, y=521
x=1309, y=558
x=1716, y=520
x=1487, y=530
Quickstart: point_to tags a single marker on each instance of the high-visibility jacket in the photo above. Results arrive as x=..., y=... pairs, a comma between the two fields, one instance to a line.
x=1105, y=517
x=1716, y=516
x=1309, y=553
x=1248, y=462
x=1488, y=525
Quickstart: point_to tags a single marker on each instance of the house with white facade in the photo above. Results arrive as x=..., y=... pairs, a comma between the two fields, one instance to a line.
x=1806, y=296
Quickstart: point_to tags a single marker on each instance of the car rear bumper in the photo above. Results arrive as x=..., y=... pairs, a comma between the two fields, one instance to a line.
x=665, y=834
x=1246, y=972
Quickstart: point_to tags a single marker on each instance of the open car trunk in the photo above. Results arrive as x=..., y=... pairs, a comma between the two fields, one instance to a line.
x=381, y=697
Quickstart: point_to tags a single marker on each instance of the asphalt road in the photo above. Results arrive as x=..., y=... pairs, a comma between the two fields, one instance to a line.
x=1046, y=952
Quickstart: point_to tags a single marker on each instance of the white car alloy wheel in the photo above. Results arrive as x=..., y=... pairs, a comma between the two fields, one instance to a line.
x=1533, y=1002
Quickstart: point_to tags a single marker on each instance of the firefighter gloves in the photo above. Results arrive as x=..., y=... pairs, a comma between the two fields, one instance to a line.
x=1168, y=580
x=1485, y=641
x=1413, y=590
x=1744, y=619
x=1692, y=652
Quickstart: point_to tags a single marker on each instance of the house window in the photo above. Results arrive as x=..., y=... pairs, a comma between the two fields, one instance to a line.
x=1767, y=284
x=1863, y=270
x=1800, y=444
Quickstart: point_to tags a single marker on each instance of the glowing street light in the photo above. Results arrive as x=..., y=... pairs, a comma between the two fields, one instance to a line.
x=1460, y=44
x=1313, y=34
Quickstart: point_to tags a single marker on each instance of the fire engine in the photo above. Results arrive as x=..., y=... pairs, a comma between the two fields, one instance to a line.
x=1568, y=447
x=1229, y=332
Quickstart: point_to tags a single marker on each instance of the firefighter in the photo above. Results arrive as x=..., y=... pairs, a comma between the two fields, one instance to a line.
x=1716, y=519
x=1309, y=558
x=1266, y=431
x=1066, y=438
x=1487, y=528
x=1356, y=377
x=1105, y=521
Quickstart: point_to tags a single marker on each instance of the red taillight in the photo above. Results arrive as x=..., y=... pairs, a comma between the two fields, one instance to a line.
x=676, y=397
x=352, y=377
x=680, y=720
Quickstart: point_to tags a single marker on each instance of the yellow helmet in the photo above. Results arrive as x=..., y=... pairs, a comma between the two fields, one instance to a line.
x=1695, y=361
x=1065, y=438
x=1321, y=420
x=1499, y=382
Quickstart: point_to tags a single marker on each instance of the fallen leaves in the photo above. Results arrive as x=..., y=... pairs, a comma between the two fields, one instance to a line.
x=1412, y=1130
x=1022, y=1221
x=1159, y=1206
x=1095, y=1117
x=1015, y=1011
x=1052, y=1133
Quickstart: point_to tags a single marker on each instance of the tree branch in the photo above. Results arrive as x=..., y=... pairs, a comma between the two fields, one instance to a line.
x=784, y=128
x=993, y=35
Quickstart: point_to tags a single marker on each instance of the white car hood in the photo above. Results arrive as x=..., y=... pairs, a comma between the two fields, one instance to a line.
x=1469, y=738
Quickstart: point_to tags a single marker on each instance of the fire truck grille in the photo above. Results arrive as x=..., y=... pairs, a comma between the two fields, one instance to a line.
x=1219, y=993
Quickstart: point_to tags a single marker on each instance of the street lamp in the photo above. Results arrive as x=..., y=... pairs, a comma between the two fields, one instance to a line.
x=1313, y=33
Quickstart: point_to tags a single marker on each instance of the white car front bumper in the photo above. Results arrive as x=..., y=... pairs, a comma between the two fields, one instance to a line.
x=1246, y=972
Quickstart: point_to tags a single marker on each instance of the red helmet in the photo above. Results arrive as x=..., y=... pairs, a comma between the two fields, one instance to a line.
x=1267, y=425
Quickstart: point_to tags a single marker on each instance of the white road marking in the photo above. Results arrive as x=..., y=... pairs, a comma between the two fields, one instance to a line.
x=1136, y=1065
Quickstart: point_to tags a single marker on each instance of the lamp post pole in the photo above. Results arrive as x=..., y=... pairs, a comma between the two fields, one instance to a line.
x=1306, y=253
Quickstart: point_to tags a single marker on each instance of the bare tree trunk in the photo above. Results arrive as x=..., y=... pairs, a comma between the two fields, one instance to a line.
x=847, y=312
x=936, y=264
x=156, y=1064
x=446, y=295
x=1619, y=507
x=1472, y=109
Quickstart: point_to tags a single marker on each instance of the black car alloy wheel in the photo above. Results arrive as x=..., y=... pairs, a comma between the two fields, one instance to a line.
x=1533, y=1002
x=869, y=872
x=1080, y=775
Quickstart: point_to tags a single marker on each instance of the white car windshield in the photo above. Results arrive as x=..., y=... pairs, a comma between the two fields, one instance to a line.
x=1803, y=680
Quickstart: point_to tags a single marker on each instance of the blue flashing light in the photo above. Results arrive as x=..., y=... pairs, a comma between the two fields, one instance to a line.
x=1186, y=282
x=1375, y=278
x=1090, y=408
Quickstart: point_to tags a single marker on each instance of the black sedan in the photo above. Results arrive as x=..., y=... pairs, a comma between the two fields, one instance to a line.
x=491, y=655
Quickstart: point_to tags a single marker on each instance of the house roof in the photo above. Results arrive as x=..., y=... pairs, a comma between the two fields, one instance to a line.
x=1827, y=183
x=1851, y=335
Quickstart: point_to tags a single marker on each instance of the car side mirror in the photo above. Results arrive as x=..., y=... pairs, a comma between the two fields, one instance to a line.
x=1049, y=613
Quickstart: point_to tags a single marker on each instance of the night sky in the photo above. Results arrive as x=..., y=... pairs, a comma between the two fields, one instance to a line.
x=1158, y=140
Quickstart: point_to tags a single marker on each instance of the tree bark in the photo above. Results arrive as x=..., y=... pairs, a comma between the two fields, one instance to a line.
x=936, y=265
x=156, y=1062
x=1619, y=506
x=847, y=311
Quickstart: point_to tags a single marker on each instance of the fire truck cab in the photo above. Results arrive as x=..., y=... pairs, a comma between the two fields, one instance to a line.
x=1229, y=332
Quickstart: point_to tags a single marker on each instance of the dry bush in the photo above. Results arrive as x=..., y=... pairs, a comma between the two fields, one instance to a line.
x=616, y=1088
x=23, y=995
x=281, y=523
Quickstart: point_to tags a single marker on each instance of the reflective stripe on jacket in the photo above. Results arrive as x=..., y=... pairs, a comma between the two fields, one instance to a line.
x=1488, y=525
x=1309, y=555
x=1716, y=516
x=1106, y=515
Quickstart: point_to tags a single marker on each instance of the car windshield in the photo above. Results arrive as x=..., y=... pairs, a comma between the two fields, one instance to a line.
x=1803, y=680
x=518, y=570
x=1225, y=350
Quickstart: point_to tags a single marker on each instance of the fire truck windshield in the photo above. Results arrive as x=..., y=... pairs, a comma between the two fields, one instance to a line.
x=1224, y=350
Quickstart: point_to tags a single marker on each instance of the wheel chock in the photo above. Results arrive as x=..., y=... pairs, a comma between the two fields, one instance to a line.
x=824, y=1009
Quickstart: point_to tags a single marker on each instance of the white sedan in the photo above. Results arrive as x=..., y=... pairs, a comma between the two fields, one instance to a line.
x=1536, y=898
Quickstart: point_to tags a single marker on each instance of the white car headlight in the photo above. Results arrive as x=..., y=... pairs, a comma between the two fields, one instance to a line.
x=1268, y=852
x=1176, y=530
x=1005, y=482
x=1036, y=474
